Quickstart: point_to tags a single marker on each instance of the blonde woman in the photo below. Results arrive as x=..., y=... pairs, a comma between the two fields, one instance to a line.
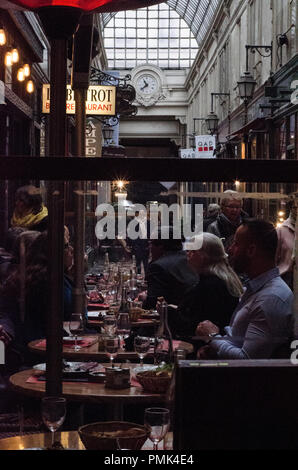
x=216, y=294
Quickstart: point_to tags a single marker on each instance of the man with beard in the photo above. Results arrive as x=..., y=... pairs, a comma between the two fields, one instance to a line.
x=262, y=322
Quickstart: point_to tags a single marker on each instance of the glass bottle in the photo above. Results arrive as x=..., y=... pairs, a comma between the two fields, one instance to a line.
x=106, y=262
x=124, y=301
x=163, y=342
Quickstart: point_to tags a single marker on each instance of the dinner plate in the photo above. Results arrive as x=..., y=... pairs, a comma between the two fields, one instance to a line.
x=71, y=339
x=71, y=365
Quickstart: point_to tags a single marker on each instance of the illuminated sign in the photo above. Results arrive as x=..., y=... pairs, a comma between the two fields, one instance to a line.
x=101, y=100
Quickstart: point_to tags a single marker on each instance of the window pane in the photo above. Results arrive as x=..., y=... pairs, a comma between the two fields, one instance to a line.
x=141, y=43
x=120, y=32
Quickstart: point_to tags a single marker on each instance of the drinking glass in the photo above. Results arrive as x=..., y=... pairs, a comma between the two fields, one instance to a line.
x=53, y=411
x=111, y=346
x=158, y=422
x=142, y=345
x=123, y=327
x=76, y=326
x=109, y=325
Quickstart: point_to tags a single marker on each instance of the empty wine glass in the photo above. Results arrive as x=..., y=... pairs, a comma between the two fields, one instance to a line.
x=123, y=327
x=111, y=346
x=109, y=325
x=142, y=345
x=76, y=326
x=158, y=422
x=53, y=411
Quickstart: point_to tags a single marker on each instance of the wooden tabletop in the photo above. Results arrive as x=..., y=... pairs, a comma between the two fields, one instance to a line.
x=69, y=440
x=85, y=391
x=91, y=353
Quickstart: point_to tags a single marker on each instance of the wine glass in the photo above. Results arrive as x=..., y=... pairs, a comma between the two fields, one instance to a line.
x=76, y=326
x=53, y=411
x=142, y=345
x=110, y=325
x=123, y=327
x=158, y=422
x=111, y=346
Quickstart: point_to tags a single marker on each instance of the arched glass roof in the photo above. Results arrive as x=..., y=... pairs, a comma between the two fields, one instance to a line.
x=198, y=14
x=156, y=34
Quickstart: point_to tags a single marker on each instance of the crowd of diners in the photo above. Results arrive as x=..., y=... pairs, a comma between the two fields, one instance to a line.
x=232, y=295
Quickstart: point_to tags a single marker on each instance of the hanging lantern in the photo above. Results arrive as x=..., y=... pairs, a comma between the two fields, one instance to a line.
x=2, y=36
x=30, y=86
x=21, y=75
x=26, y=69
x=15, y=55
x=8, y=59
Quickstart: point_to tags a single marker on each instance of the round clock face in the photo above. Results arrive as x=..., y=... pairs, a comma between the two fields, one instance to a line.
x=147, y=84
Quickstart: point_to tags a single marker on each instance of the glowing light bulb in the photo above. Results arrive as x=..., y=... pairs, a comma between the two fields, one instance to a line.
x=8, y=59
x=2, y=37
x=30, y=86
x=15, y=56
x=21, y=75
x=281, y=213
x=26, y=69
x=237, y=183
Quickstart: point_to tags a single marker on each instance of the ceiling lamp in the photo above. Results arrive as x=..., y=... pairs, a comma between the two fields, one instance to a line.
x=8, y=59
x=2, y=36
x=15, y=55
x=26, y=69
x=21, y=75
x=30, y=86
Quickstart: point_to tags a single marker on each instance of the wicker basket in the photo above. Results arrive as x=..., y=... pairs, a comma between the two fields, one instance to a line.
x=153, y=384
x=96, y=442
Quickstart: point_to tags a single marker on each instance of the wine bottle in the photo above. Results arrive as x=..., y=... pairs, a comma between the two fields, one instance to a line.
x=163, y=342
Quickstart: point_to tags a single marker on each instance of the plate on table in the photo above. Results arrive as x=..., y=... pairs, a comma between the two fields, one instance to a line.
x=71, y=339
x=97, y=313
x=70, y=366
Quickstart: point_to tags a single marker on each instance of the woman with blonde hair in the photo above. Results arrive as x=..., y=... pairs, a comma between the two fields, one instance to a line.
x=216, y=294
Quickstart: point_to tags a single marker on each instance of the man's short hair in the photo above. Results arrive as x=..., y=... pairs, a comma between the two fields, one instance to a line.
x=229, y=195
x=263, y=234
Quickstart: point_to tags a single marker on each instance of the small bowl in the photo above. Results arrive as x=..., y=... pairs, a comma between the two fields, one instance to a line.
x=104, y=435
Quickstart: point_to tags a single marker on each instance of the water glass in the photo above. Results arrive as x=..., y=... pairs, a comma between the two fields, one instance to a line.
x=109, y=325
x=76, y=326
x=158, y=422
x=123, y=327
x=53, y=411
x=111, y=347
x=142, y=346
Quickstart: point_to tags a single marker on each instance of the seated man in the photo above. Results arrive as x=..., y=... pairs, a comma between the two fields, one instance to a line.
x=169, y=274
x=263, y=320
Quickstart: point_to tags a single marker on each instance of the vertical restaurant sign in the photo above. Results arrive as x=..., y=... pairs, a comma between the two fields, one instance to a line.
x=101, y=100
x=205, y=146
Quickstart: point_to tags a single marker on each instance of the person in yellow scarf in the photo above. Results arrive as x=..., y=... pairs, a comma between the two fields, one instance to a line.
x=29, y=210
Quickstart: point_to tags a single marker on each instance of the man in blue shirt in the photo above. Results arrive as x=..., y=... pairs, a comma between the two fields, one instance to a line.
x=263, y=320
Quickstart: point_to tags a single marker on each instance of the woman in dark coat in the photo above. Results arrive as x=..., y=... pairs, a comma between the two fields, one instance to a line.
x=216, y=294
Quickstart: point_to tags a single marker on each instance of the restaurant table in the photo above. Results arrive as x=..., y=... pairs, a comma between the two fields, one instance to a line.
x=88, y=392
x=91, y=353
x=142, y=322
x=68, y=439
